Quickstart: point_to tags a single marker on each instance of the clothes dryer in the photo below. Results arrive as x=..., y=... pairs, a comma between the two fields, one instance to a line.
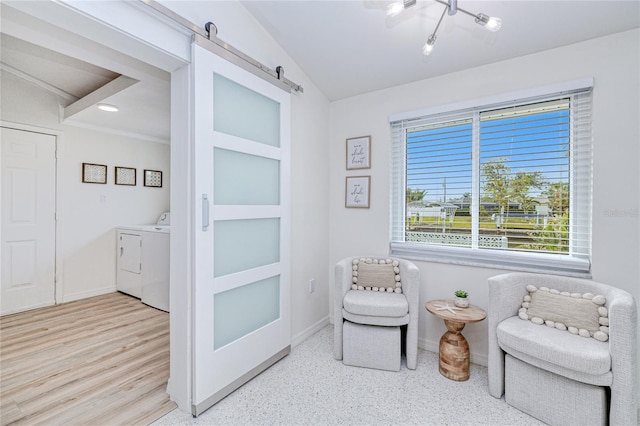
x=143, y=263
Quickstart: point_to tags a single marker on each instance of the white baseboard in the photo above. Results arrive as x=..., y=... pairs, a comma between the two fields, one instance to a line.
x=85, y=294
x=431, y=346
x=308, y=332
x=27, y=308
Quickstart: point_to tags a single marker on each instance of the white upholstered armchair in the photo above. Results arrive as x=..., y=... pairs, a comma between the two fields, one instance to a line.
x=367, y=323
x=552, y=374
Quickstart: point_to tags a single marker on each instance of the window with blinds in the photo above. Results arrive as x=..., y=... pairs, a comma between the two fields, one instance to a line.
x=507, y=185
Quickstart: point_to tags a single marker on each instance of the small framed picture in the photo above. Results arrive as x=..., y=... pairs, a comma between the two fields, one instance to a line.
x=357, y=191
x=125, y=176
x=359, y=153
x=153, y=178
x=94, y=173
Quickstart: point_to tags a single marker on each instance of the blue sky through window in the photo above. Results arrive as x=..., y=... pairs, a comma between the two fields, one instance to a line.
x=439, y=156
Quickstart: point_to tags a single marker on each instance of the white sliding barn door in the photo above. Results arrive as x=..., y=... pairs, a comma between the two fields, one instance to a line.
x=28, y=220
x=241, y=298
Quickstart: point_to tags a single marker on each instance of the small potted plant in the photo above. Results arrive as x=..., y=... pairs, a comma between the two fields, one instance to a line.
x=461, y=300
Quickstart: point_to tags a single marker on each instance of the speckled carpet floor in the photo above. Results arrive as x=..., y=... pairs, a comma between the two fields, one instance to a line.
x=310, y=387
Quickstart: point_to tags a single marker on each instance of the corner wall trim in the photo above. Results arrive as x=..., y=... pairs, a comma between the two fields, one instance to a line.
x=309, y=331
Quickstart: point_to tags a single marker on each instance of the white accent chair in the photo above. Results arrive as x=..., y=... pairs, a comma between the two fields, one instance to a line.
x=556, y=376
x=367, y=324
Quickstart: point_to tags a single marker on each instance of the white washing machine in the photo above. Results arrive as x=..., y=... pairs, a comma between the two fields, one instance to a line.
x=143, y=262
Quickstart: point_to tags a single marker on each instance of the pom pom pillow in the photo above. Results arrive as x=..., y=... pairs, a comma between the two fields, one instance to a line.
x=376, y=275
x=582, y=314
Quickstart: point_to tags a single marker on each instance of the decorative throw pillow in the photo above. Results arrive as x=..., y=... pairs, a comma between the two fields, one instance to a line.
x=582, y=314
x=376, y=275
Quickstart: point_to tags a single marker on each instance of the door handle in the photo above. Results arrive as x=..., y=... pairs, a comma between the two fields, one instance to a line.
x=205, y=212
x=121, y=251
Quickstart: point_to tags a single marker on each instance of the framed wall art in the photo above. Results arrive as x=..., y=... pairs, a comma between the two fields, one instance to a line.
x=153, y=178
x=359, y=153
x=357, y=191
x=125, y=176
x=94, y=173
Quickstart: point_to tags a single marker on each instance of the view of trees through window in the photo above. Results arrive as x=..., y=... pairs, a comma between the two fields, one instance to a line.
x=522, y=179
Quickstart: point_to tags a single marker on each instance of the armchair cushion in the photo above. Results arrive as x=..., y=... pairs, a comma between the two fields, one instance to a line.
x=582, y=314
x=554, y=347
x=375, y=303
x=376, y=275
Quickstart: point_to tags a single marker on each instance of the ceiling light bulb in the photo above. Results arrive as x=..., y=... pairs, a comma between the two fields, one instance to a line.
x=494, y=24
x=107, y=107
x=395, y=8
x=489, y=22
x=428, y=46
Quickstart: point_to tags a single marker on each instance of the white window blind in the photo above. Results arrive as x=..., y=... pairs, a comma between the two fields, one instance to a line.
x=506, y=185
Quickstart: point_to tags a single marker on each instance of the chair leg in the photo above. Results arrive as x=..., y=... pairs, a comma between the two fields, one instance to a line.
x=411, y=346
x=337, y=339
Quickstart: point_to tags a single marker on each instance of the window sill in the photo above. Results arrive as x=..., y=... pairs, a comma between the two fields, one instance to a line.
x=487, y=258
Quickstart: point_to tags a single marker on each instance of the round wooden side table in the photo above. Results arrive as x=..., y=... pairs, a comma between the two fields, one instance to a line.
x=454, y=348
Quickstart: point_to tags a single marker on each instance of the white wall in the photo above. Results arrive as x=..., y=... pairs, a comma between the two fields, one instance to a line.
x=614, y=63
x=87, y=214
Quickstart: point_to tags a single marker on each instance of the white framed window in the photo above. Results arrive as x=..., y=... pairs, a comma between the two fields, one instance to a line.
x=502, y=182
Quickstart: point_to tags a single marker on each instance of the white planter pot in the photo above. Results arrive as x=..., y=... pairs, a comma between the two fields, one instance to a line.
x=461, y=302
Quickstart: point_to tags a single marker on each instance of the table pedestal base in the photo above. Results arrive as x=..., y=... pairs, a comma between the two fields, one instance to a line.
x=454, y=352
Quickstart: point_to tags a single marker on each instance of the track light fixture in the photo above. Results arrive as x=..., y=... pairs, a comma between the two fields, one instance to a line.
x=490, y=23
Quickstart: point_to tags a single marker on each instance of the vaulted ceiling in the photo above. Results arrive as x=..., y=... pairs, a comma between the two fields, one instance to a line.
x=353, y=47
x=346, y=48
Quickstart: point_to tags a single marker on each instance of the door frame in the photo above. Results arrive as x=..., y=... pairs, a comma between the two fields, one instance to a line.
x=132, y=29
x=58, y=282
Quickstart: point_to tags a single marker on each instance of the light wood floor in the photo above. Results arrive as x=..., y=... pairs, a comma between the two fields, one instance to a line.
x=97, y=361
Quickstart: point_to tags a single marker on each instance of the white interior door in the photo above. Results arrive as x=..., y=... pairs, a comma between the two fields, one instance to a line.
x=241, y=303
x=28, y=220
